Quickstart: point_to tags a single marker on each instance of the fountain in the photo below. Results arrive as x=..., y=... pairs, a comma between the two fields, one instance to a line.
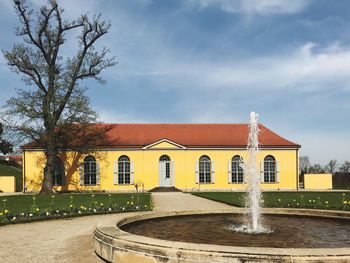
x=253, y=176
x=252, y=221
x=203, y=236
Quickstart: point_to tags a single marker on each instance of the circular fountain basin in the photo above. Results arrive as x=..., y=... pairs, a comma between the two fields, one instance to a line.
x=193, y=236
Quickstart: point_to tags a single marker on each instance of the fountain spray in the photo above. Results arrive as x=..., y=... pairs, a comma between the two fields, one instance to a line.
x=251, y=171
x=252, y=220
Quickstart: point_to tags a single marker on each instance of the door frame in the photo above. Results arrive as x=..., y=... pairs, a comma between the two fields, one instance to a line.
x=162, y=171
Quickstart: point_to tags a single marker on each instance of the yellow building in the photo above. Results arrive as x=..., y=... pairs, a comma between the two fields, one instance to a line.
x=186, y=156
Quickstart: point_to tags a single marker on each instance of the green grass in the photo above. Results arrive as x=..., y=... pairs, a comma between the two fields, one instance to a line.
x=317, y=200
x=24, y=203
x=9, y=170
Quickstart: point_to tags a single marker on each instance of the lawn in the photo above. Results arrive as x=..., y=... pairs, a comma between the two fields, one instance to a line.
x=9, y=170
x=318, y=200
x=31, y=203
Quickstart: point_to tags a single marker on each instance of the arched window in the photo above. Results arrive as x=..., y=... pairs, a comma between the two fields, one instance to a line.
x=58, y=177
x=269, y=169
x=164, y=158
x=236, y=169
x=124, y=170
x=204, y=169
x=90, y=170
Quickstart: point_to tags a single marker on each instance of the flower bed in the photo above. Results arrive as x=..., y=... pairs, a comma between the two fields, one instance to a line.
x=61, y=206
x=302, y=199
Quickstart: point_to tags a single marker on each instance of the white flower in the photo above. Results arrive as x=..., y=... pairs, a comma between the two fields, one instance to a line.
x=30, y=215
x=109, y=209
x=14, y=218
x=22, y=214
x=137, y=207
x=95, y=210
x=47, y=213
x=79, y=212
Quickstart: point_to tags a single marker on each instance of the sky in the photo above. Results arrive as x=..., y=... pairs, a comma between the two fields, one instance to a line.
x=214, y=61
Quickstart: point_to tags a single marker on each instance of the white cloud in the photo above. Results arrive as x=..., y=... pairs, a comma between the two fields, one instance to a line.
x=307, y=68
x=304, y=68
x=260, y=7
x=118, y=117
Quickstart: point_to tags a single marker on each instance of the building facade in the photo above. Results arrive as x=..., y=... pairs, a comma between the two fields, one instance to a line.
x=205, y=157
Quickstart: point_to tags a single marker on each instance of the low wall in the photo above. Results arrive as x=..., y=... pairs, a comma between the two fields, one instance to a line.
x=8, y=184
x=318, y=181
x=117, y=246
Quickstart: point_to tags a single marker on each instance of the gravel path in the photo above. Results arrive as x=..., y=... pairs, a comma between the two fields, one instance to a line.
x=70, y=240
x=178, y=201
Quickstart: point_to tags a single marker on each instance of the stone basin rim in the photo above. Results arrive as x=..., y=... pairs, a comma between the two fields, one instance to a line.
x=122, y=236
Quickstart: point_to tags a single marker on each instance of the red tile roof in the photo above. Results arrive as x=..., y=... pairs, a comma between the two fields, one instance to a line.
x=192, y=135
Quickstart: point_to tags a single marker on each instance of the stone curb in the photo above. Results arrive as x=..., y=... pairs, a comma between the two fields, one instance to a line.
x=116, y=245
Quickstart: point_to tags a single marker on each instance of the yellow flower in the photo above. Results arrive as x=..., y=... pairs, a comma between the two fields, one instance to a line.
x=70, y=205
x=6, y=211
x=279, y=200
x=37, y=209
x=0, y=214
x=345, y=202
x=101, y=204
x=326, y=202
x=52, y=196
x=310, y=201
x=34, y=197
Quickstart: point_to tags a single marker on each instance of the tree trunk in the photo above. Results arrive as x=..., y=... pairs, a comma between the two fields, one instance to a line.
x=49, y=172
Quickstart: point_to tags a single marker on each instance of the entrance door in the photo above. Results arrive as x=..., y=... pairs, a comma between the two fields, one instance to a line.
x=164, y=171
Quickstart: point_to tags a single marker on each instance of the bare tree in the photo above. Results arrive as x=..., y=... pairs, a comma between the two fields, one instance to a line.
x=316, y=168
x=331, y=166
x=5, y=145
x=304, y=164
x=345, y=168
x=54, y=99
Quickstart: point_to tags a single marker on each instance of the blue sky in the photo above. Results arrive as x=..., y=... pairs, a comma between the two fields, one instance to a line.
x=214, y=61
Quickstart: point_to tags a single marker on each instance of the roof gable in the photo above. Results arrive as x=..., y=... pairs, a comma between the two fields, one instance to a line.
x=164, y=144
